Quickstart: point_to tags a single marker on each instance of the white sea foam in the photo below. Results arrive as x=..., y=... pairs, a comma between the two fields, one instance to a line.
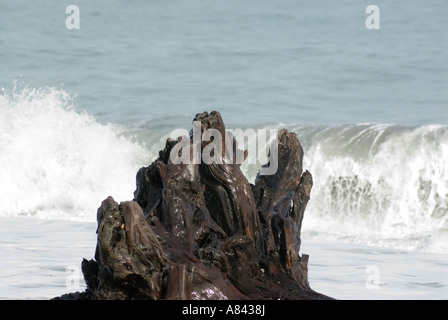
x=59, y=163
x=374, y=184
x=379, y=184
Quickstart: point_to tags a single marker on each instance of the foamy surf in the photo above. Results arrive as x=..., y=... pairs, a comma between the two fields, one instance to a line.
x=381, y=185
x=375, y=184
x=60, y=163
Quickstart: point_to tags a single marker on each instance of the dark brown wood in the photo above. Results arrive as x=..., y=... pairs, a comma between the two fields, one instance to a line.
x=201, y=231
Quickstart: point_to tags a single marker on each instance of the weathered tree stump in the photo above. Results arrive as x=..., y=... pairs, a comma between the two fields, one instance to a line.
x=201, y=231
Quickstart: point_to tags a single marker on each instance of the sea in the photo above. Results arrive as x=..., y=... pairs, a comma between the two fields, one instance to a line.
x=90, y=91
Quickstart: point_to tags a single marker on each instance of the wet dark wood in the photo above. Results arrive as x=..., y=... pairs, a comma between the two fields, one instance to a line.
x=201, y=231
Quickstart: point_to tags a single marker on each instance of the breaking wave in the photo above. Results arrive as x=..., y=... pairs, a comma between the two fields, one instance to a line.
x=377, y=184
x=60, y=163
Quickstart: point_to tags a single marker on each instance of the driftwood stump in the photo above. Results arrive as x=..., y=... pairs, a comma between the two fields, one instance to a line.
x=201, y=231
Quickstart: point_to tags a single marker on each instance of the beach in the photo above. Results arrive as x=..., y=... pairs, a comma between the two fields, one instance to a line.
x=83, y=109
